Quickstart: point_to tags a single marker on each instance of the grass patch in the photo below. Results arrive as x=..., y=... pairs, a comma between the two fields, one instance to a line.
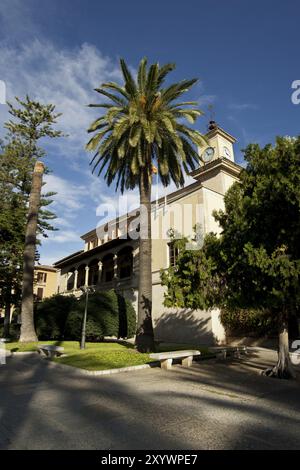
x=96, y=356
x=104, y=355
x=101, y=360
x=101, y=356
x=70, y=346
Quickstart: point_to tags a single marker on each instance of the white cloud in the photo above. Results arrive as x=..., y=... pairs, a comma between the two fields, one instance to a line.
x=120, y=204
x=67, y=203
x=69, y=196
x=49, y=258
x=63, y=236
x=64, y=223
x=64, y=77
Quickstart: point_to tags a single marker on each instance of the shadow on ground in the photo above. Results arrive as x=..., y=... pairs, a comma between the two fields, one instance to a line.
x=212, y=405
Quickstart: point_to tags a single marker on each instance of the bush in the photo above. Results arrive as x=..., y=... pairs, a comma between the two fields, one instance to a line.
x=51, y=315
x=102, y=318
x=109, y=314
x=251, y=322
x=14, y=331
x=127, y=318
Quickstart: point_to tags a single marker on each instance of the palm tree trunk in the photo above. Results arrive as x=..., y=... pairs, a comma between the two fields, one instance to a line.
x=144, y=334
x=28, y=333
x=283, y=368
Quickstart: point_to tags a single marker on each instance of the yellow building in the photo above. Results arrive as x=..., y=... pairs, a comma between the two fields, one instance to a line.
x=45, y=281
x=109, y=258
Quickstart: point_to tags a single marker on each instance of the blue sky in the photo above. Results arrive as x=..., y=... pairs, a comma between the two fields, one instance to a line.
x=245, y=54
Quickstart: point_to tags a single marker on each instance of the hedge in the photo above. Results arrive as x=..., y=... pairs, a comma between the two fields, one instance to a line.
x=109, y=314
x=251, y=322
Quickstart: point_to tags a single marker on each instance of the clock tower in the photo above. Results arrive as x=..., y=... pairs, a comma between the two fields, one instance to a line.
x=220, y=144
x=217, y=170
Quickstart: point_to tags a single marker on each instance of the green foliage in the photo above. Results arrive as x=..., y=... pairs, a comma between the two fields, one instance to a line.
x=255, y=263
x=193, y=282
x=95, y=356
x=31, y=122
x=109, y=314
x=51, y=315
x=248, y=322
x=18, y=153
x=127, y=318
x=102, y=318
x=142, y=126
x=259, y=256
x=14, y=331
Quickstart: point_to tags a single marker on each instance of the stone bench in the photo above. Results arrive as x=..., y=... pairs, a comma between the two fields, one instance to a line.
x=50, y=350
x=224, y=351
x=166, y=358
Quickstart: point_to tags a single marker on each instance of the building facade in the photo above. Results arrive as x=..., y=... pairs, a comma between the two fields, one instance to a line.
x=46, y=279
x=110, y=258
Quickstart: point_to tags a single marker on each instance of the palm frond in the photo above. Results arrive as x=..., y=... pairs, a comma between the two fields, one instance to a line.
x=130, y=85
x=142, y=124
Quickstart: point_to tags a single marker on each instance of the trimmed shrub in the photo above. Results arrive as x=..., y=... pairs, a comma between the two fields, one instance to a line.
x=51, y=315
x=109, y=314
x=102, y=317
x=127, y=318
x=60, y=317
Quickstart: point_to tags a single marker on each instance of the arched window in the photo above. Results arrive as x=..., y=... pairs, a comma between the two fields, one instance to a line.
x=81, y=276
x=93, y=272
x=125, y=262
x=108, y=268
x=71, y=279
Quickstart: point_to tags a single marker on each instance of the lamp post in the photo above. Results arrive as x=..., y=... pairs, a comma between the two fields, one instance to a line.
x=85, y=290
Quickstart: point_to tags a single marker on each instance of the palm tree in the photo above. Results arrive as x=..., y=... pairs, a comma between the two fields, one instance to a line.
x=142, y=130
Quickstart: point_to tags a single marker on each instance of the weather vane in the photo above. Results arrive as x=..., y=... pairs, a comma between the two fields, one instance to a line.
x=211, y=114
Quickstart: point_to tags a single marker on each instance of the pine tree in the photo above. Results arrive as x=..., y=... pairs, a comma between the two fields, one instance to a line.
x=18, y=155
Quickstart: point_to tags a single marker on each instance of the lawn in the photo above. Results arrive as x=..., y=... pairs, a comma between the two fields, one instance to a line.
x=100, y=356
x=96, y=356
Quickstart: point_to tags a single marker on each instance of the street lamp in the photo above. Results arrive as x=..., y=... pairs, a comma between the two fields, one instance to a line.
x=86, y=290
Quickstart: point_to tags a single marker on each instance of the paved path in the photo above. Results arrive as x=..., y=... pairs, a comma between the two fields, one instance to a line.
x=212, y=405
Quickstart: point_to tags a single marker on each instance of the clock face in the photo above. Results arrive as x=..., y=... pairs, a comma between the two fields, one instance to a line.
x=208, y=154
x=227, y=152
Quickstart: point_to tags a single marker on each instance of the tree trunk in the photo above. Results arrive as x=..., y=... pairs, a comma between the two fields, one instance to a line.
x=144, y=334
x=28, y=333
x=283, y=368
x=6, y=319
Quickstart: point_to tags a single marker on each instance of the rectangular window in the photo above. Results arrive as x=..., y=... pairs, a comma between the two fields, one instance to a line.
x=173, y=254
x=40, y=293
x=41, y=277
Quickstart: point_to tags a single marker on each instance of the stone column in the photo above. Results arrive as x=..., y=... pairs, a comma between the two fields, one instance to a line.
x=75, y=279
x=115, y=266
x=67, y=277
x=100, y=272
x=135, y=264
x=86, y=282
